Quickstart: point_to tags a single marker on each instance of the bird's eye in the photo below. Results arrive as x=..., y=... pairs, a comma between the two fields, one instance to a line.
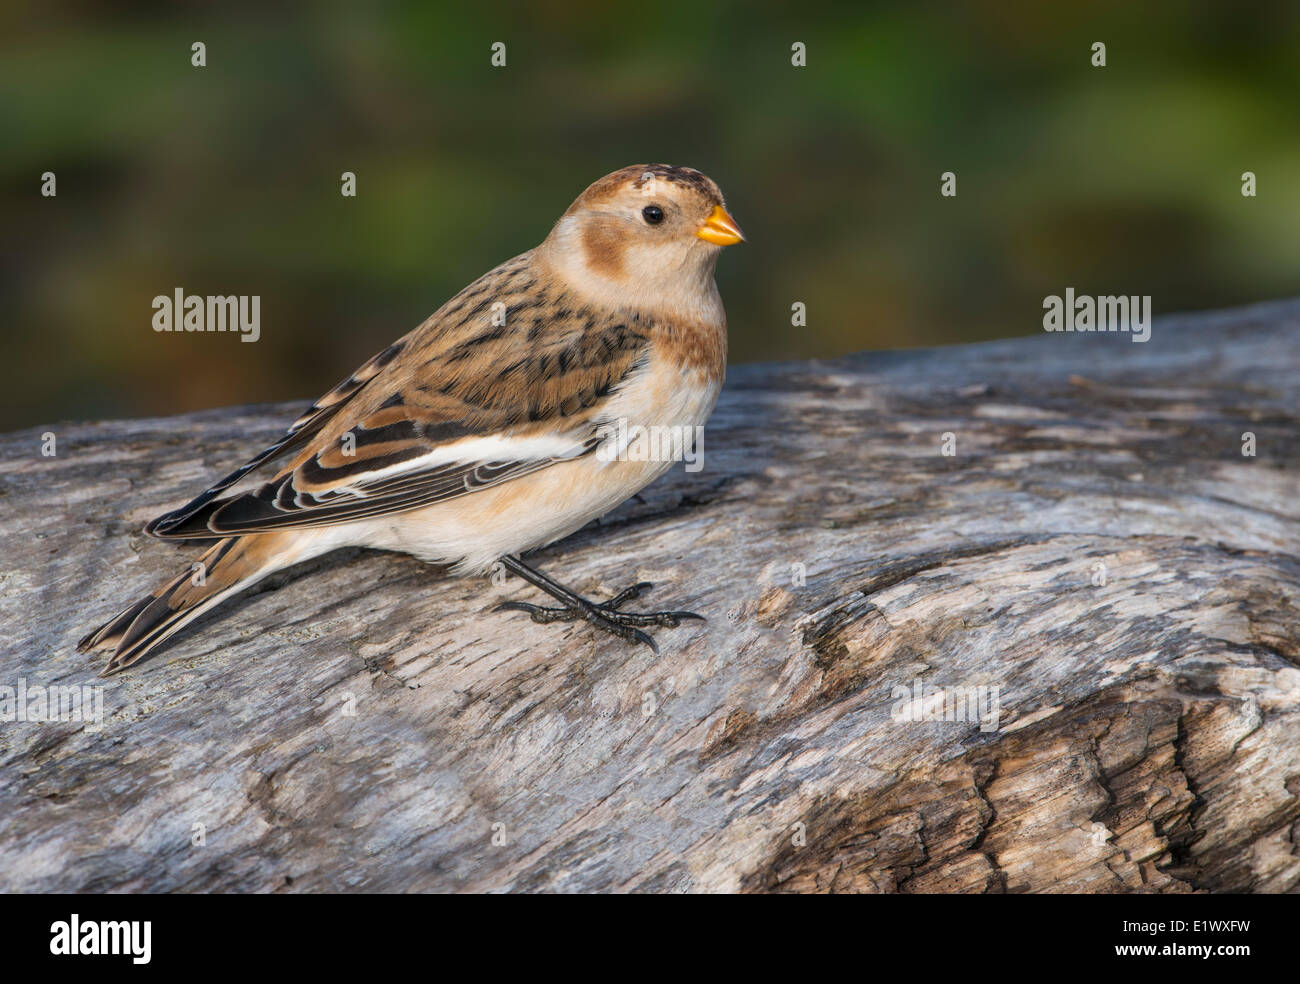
x=652, y=214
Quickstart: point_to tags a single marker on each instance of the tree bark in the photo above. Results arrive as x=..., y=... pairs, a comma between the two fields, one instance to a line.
x=1096, y=553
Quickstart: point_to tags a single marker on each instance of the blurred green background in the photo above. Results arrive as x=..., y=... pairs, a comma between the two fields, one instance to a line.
x=225, y=179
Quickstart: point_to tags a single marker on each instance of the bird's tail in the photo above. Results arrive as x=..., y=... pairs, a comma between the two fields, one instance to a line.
x=229, y=566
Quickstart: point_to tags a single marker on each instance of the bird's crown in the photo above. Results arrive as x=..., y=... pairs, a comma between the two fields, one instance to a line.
x=638, y=176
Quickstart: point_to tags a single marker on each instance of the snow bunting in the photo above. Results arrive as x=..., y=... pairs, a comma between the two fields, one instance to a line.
x=487, y=431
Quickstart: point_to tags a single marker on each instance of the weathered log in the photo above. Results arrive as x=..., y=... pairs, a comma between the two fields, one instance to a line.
x=1098, y=549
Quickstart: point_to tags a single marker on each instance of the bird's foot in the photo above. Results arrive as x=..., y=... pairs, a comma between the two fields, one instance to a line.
x=606, y=615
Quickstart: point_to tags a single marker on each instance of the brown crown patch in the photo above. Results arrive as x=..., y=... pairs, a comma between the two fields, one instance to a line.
x=638, y=174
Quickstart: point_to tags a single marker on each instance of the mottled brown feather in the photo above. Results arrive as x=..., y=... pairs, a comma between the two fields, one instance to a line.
x=549, y=367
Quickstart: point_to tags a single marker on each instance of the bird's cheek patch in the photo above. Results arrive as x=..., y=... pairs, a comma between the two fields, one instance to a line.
x=604, y=250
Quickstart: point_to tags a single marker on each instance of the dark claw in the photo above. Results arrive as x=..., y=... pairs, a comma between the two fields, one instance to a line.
x=669, y=620
x=636, y=591
x=624, y=630
x=538, y=613
x=607, y=616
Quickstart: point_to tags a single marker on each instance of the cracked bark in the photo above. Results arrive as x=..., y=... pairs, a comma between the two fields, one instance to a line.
x=1148, y=738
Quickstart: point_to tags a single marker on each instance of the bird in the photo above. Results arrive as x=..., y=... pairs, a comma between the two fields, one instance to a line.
x=496, y=427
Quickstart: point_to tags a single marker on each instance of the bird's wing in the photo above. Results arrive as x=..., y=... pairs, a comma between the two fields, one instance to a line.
x=461, y=404
x=300, y=432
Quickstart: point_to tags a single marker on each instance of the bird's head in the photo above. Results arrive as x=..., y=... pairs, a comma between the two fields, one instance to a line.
x=650, y=233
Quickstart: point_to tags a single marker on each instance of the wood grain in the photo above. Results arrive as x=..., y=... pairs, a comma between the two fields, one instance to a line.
x=1098, y=549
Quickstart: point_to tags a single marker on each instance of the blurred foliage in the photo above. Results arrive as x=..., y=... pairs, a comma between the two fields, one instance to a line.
x=225, y=179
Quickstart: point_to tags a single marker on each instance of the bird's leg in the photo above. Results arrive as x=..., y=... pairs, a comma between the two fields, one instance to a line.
x=604, y=615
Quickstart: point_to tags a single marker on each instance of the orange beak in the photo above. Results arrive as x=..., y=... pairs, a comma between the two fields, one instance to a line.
x=720, y=229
